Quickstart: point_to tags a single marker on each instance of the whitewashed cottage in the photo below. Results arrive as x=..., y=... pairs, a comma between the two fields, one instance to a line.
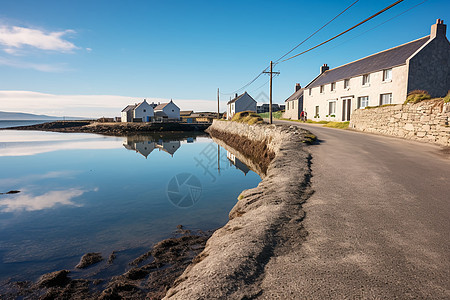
x=382, y=78
x=168, y=110
x=243, y=102
x=142, y=112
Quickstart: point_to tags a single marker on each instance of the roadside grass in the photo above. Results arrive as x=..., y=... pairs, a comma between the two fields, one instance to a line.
x=248, y=117
x=340, y=125
x=275, y=115
x=447, y=98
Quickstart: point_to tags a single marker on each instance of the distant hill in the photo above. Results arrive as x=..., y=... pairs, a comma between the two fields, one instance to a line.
x=15, y=116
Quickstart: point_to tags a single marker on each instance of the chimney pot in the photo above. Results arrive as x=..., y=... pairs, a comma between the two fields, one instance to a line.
x=297, y=86
x=235, y=96
x=324, y=68
x=438, y=29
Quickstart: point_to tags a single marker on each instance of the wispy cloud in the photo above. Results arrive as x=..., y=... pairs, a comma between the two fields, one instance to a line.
x=27, y=65
x=14, y=37
x=91, y=106
x=29, y=202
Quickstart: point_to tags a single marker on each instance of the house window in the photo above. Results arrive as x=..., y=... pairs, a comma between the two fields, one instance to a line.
x=385, y=99
x=365, y=79
x=317, y=112
x=363, y=102
x=288, y=105
x=333, y=86
x=321, y=89
x=387, y=75
x=346, y=83
x=310, y=92
x=332, y=108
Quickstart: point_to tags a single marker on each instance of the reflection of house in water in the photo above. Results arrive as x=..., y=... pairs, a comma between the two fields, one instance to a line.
x=169, y=147
x=237, y=163
x=146, y=147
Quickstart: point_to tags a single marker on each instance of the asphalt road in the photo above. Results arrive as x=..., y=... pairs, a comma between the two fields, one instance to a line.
x=378, y=222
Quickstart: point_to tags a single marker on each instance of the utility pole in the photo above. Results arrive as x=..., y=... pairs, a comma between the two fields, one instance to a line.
x=218, y=112
x=270, y=93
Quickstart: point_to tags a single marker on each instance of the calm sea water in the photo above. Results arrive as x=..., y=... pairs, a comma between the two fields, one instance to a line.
x=84, y=193
x=6, y=124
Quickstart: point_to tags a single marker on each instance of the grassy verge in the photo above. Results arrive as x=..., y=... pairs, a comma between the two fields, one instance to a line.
x=275, y=115
x=248, y=117
x=340, y=125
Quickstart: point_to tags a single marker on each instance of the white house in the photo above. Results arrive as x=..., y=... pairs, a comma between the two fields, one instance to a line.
x=243, y=102
x=142, y=111
x=170, y=109
x=382, y=78
x=294, y=104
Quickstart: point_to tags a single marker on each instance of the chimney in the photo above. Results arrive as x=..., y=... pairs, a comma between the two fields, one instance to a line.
x=324, y=68
x=235, y=96
x=438, y=29
x=297, y=87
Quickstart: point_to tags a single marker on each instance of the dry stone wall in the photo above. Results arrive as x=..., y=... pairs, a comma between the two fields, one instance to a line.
x=426, y=121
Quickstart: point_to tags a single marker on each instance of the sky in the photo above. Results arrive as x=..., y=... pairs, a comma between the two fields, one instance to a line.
x=89, y=58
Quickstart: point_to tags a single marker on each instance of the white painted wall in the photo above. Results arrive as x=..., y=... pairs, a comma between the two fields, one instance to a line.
x=244, y=103
x=143, y=111
x=397, y=86
x=172, y=111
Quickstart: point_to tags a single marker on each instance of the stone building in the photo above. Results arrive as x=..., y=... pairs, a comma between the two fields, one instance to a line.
x=382, y=78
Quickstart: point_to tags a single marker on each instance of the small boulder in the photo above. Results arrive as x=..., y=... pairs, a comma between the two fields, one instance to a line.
x=57, y=278
x=89, y=259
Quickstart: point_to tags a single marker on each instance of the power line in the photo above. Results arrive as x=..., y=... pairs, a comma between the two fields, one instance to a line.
x=396, y=16
x=314, y=33
x=351, y=28
x=249, y=83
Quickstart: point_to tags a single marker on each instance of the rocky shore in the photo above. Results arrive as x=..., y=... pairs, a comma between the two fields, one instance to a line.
x=149, y=276
x=232, y=264
x=113, y=129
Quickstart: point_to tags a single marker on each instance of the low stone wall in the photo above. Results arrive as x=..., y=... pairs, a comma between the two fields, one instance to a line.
x=232, y=263
x=426, y=121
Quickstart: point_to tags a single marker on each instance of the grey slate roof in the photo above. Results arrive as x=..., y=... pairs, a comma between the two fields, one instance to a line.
x=128, y=108
x=376, y=62
x=237, y=98
x=298, y=94
x=161, y=106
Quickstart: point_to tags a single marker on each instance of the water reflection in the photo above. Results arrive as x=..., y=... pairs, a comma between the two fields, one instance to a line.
x=26, y=201
x=145, y=145
x=237, y=163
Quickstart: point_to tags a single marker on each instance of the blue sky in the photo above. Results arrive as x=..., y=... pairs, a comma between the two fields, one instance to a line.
x=89, y=58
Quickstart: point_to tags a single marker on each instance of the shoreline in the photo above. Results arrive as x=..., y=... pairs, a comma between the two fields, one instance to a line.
x=232, y=264
x=148, y=276
x=257, y=222
x=113, y=129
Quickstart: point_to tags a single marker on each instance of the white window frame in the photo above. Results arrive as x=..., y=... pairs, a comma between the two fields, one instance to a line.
x=387, y=75
x=322, y=89
x=310, y=91
x=366, y=79
x=317, y=111
x=360, y=102
x=346, y=83
x=382, y=98
x=332, y=103
x=333, y=86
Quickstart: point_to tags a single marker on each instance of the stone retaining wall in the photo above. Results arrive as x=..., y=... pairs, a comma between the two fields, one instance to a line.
x=426, y=121
x=232, y=263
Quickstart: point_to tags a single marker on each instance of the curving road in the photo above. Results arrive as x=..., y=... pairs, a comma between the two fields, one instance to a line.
x=378, y=222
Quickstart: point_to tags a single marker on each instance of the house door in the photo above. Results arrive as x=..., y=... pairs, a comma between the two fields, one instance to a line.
x=346, y=109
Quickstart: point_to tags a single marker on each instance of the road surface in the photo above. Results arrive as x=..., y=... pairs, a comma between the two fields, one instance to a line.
x=378, y=222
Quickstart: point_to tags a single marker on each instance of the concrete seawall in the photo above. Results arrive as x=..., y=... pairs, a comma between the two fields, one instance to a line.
x=233, y=262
